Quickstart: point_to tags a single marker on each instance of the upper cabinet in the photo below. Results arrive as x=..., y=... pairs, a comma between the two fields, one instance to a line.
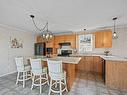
x=48, y=45
x=65, y=38
x=57, y=40
x=103, y=39
x=71, y=39
x=39, y=39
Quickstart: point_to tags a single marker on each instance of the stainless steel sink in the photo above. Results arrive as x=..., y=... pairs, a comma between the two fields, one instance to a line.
x=109, y=56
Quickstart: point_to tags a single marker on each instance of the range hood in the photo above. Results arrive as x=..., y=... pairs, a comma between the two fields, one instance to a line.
x=65, y=44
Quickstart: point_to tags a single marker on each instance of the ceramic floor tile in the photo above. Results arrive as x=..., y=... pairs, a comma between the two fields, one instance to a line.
x=25, y=90
x=12, y=93
x=114, y=92
x=85, y=84
x=102, y=90
x=3, y=91
x=91, y=92
x=123, y=93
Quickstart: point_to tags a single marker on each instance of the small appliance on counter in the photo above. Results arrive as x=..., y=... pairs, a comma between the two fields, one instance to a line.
x=65, y=49
x=65, y=53
x=106, y=52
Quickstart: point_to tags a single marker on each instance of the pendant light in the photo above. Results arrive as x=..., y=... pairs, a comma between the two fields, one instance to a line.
x=114, y=31
x=46, y=34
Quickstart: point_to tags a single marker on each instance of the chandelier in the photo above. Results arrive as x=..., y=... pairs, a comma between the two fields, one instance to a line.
x=46, y=34
x=114, y=33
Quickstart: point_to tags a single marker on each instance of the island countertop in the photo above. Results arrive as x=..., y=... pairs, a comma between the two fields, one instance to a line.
x=68, y=60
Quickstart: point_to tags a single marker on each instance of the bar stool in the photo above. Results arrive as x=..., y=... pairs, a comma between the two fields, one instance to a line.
x=23, y=70
x=56, y=74
x=39, y=74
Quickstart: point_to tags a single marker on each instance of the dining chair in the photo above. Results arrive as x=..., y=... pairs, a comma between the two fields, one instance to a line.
x=40, y=76
x=23, y=70
x=56, y=74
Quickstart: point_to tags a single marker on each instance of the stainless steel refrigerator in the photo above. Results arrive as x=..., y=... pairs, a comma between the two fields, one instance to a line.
x=40, y=49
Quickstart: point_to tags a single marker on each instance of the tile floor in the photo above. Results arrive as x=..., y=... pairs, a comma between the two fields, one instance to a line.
x=85, y=84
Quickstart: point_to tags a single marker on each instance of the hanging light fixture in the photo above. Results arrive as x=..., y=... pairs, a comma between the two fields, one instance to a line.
x=46, y=34
x=114, y=33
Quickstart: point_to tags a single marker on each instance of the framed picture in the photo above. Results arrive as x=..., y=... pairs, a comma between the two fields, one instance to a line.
x=85, y=43
x=16, y=42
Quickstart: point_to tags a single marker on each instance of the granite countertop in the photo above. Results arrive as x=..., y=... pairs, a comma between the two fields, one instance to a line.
x=113, y=58
x=70, y=60
x=108, y=58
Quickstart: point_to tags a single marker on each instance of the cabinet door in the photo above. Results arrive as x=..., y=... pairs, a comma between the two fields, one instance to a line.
x=57, y=40
x=103, y=39
x=71, y=39
x=80, y=66
x=97, y=64
x=50, y=44
x=88, y=63
x=98, y=39
x=107, y=39
x=39, y=39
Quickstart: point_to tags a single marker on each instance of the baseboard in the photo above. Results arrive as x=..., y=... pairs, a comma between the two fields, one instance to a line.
x=8, y=73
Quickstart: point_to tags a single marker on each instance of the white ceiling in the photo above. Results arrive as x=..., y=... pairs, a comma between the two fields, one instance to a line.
x=63, y=15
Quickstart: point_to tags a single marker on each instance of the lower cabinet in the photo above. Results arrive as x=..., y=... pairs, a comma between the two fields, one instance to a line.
x=90, y=64
x=116, y=74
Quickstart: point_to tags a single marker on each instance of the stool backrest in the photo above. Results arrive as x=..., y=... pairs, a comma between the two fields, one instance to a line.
x=36, y=66
x=19, y=64
x=54, y=67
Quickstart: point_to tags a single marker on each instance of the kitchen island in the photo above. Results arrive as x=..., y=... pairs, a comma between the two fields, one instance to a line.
x=69, y=64
x=113, y=68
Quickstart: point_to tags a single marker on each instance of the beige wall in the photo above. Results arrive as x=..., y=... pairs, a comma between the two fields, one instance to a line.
x=7, y=54
x=120, y=45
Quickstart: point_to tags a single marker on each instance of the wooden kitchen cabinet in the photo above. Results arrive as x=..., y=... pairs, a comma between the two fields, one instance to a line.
x=97, y=64
x=39, y=39
x=116, y=74
x=90, y=64
x=57, y=40
x=50, y=44
x=71, y=39
x=81, y=65
x=103, y=39
x=65, y=38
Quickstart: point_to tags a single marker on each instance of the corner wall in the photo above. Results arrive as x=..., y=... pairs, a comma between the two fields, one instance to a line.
x=7, y=54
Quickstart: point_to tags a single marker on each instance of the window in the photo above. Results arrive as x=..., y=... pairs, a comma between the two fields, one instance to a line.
x=85, y=43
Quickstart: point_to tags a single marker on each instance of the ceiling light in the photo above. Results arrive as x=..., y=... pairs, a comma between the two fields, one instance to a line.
x=114, y=33
x=46, y=34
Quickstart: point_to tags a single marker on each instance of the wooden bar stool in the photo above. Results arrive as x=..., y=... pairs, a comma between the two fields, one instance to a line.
x=23, y=70
x=57, y=75
x=40, y=76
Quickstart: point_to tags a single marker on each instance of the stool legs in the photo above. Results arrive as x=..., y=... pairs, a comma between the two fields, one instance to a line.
x=65, y=84
x=32, y=82
x=50, y=86
x=17, y=78
x=37, y=81
x=40, y=85
x=60, y=88
x=47, y=78
x=60, y=82
x=23, y=79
